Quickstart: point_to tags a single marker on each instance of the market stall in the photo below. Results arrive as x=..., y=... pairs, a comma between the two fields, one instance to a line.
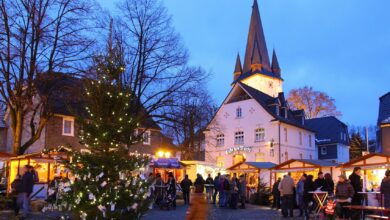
x=4, y=157
x=47, y=167
x=194, y=167
x=374, y=166
x=297, y=167
x=167, y=165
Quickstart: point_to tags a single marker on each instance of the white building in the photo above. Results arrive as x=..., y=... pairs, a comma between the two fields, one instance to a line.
x=254, y=122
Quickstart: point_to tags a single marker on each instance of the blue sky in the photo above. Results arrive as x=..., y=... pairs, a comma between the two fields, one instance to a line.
x=339, y=47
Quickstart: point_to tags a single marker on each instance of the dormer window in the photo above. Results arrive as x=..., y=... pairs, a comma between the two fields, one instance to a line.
x=277, y=110
x=68, y=126
x=285, y=113
x=239, y=112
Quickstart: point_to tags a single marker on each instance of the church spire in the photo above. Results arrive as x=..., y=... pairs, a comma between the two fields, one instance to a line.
x=238, y=67
x=256, y=49
x=275, y=64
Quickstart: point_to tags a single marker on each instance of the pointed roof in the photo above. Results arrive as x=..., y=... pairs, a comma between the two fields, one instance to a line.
x=275, y=64
x=256, y=48
x=238, y=68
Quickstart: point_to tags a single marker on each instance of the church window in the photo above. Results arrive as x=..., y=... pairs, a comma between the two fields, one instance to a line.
x=239, y=137
x=239, y=112
x=259, y=134
x=220, y=140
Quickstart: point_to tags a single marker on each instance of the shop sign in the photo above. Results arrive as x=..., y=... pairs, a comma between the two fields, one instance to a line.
x=239, y=148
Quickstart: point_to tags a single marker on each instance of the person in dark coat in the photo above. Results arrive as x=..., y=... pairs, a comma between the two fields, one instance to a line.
x=226, y=190
x=344, y=194
x=186, y=188
x=242, y=191
x=209, y=188
x=309, y=186
x=357, y=184
x=276, y=194
x=385, y=189
x=199, y=183
x=16, y=188
x=216, y=187
x=26, y=190
x=320, y=182
x=172, y=187
x=329, y=184
x=234, y=187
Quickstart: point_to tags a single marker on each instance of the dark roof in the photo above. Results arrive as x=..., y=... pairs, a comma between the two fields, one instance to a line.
x=328, y=130
x=384, y=109
x=66, y=96
x=275, y=64
x=261, y=165
x=238, y=67
x=266, y=102
x=2, y=122
x=322, y=163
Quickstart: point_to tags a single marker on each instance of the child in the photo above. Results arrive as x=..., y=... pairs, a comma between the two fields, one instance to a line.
x=329, y=209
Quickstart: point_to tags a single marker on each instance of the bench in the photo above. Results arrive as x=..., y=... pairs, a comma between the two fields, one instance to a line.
x=377, y=217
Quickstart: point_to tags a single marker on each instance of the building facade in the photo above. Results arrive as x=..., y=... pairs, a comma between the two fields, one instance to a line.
x=332, y=138
x=254, y=122
x=383, y=133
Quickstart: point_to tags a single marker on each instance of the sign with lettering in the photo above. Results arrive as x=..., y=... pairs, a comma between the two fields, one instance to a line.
x=239, y=148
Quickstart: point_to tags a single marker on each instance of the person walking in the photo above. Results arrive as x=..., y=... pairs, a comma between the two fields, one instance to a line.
x=385, y=189
x=286, y=189
x=357, y=184
x=26, y=190
x=344, y=194
x=209, y=188
x=216, y=187
x=242, y=191
x=172, y=188
x=309, y=186
x=186, y=188
x=16, y=188
x=329, y=184
x=276, y=194
x=299, y=190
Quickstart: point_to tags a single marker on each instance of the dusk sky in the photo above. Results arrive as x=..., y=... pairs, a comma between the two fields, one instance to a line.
x=339, y=47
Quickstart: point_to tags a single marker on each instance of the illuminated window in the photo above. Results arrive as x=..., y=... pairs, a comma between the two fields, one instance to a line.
x=220, y=140
x=285, y=135
x=239, y=137
x=146, y=137
x=220, y=161
x=259, y=134
x=68, y=126
x=300, y=138
x=260, y=157
x=238, y=158
x=239, y=112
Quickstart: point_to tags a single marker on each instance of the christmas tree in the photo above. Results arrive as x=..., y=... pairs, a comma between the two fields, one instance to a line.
x=105, y=183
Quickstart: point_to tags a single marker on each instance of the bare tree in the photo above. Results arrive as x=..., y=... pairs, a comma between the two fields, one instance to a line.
x=157, y=70
x=39, y=37
x=314, y=103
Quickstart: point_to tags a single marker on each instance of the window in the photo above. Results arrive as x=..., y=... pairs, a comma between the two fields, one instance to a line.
x=220, y=161
x=272, y=153
x=239, y=112
x=300, y=156
x=146, y=137
x=238, y=159
x=68, y=126
x=260, y=157
x=324, y=150
x=341, y=135
x=220, y=140
x=285, y=135
x=311, y=157
x=310, y=141
x=259, y=134
x=239, y=137
x=286, y=155
x=300, y=138
x=277, y=110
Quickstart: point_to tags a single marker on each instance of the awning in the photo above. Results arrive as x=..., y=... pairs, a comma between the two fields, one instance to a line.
x=166, y=163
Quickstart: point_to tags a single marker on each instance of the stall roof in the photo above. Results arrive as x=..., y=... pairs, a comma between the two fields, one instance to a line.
x=368, y=160
x=253, y=165
x=307, y=163
x=4, y=155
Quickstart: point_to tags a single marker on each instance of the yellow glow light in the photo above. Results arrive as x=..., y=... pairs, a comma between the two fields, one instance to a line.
x=160, y=153
x=167, y=154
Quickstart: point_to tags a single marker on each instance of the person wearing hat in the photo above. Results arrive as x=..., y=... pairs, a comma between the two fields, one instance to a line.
x=385, y=189
x=344, y=195
x=242, y=191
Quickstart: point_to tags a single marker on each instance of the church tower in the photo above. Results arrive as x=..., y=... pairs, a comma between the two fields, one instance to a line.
x=257, y=71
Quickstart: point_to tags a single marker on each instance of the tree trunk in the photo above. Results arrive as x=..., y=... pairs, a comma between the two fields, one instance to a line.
x=17, y=130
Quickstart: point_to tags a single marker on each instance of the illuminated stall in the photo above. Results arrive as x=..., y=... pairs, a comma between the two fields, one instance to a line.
x=194, y=167
x=166, y=165
x=297, y=167
x=46, y=165
x=374, y=167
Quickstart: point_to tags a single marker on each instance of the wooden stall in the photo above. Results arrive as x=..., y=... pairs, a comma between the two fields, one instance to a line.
x=166, y=165
x=374, y=166
x=297, y=167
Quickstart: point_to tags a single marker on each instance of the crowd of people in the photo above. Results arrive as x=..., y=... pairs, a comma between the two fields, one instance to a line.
x=345, y=192
x=21, y=189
